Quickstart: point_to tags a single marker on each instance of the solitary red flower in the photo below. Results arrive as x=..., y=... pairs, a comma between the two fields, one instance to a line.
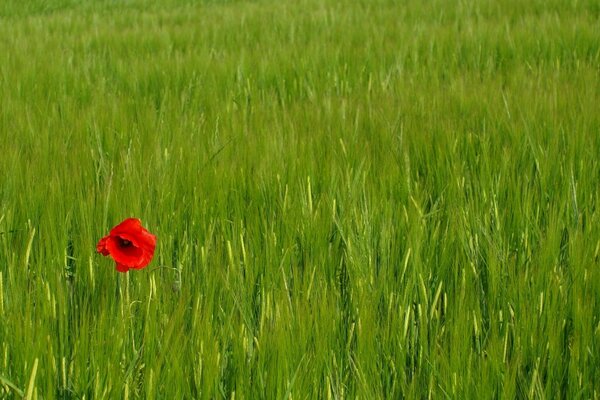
x=129, y=244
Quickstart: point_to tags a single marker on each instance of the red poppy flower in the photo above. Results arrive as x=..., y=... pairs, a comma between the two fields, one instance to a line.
x=129, y=244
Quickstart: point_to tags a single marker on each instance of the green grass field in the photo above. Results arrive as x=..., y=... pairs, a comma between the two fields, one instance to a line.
x=353, y=199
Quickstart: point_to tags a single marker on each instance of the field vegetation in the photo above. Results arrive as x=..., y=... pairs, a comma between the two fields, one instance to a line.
x=352, y=199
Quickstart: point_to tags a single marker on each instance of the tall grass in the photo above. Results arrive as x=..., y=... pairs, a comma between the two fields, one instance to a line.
x=366, y=199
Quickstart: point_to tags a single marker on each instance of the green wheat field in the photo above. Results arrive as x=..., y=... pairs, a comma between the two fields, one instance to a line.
x=368, y=199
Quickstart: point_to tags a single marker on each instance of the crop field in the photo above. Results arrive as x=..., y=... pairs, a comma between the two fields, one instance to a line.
x=369, y=199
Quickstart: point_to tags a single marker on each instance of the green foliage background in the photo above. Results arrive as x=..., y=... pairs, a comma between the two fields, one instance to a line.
x=353, y=199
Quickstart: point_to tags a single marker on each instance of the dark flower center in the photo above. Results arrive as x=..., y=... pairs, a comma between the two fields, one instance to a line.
x=124, y=243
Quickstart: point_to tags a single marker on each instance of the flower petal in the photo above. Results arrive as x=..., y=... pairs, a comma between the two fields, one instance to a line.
x=122, y=268
x=130, y=225
x=147, y=241
x=129, y=256
x=101, y=246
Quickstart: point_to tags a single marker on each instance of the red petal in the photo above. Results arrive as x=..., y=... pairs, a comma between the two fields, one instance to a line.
x=130, y=225
x=101, y=246
x=122, y=268
x=129, y=256
x=147, y=241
